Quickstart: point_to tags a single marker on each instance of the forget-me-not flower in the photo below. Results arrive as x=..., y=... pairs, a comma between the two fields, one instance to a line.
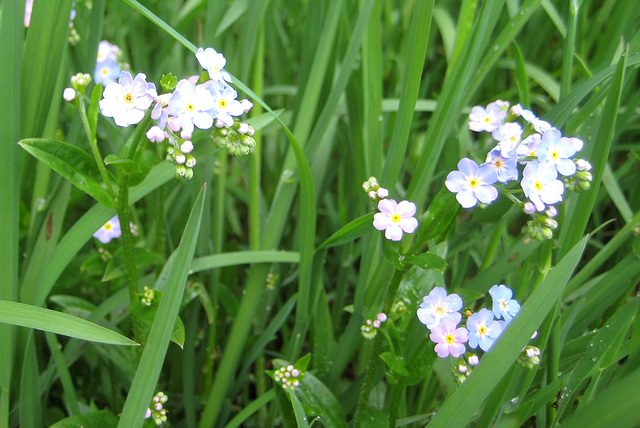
x=483, y=329
x=449, y=339
x=503, y=304
x=472, y=183
x=438, y=307
x=395, y=218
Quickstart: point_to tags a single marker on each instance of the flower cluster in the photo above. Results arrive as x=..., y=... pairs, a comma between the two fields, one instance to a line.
x=440, y=313
x=289, y=376
x=393, y=217
x=191, y=105
x=370, y=327
x=157, y=410
x=108, y=231
x=542, y=151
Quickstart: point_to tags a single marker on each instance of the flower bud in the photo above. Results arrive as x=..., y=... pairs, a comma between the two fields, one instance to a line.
x=155, y=134
x=69, y=94
x=529, y=208
x=186, y=147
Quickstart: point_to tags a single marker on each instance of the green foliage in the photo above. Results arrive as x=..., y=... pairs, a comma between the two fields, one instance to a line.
x=279, y=258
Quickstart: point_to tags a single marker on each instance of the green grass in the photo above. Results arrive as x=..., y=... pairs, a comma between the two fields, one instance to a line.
x=277, y=261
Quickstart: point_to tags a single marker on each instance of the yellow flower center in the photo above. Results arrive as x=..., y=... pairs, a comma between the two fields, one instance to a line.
x=222, y=104
x=482, y=330
x=503, y=304
x=105, y=71
x=396, y=218
x=450, y=339
x=487, y=120
x=513, y=138
x=128, y=98
x=108, y=227
x=554, y=155
x=532, y=153
x=498, y=163
x=473, y=183
x=538, y=186
x=440, y=310
x=190, y=108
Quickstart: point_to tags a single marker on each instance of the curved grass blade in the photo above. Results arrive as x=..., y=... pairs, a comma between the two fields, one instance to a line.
x=243, y=257
x=155, y=349
x=58, y=322
x=349, y=232
x=462, y=404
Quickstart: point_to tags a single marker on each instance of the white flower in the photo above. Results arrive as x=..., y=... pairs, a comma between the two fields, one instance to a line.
x=190, y=104
x=538, y=124
x=155, y=134
x=395, y=218
x=225, y=105
x=487, y=119
x=540, y=184
x=127, y=100
x=213, y=62
x=557, y=151
x=108, y=231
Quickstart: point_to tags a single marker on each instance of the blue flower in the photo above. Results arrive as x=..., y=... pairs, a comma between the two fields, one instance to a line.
x=504, y=164
x=503, y=305
x=437, y=307
x=472, y=183
x=483, y=329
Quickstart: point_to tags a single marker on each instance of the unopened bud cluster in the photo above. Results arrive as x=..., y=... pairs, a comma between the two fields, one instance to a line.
x=237, y=139
x=374, y=191
x=157, y=411
x=147, y=296
x=529, y=357
x=289, y=376
x=582, y=179
x=464, y=367
x=370, y=327
x=541, y=226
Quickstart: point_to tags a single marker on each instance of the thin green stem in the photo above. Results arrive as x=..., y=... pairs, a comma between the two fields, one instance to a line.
x=93, y=143
x=127, y=237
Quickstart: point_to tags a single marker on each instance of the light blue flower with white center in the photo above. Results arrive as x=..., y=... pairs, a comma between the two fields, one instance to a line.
x=191, y=105
x=437, y=306
x=483, y=329
x=213, y=62
x=108, y=231
x=503, y=304
x=505, y=164
x=106, y=72
x=528, y=148
x=225, y=103
x=540, y=184
x=127, y=100
x=557, y=151
x=472, y=183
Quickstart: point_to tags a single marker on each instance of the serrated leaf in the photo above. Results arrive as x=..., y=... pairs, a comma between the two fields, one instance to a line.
x=96, y=419
x=349, y=232
x=427, y=261
x=395, y=363
x=72, y=163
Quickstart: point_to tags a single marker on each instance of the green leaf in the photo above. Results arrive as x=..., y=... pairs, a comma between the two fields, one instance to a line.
x=72, y=163
x=92, y=111
x=60, y=323
x=349, y=232
x=316, y=396
x=298, y=410
x=147, y=314
x=437, y=218
x=395, y=363
x=427, y=261
x=602, y=348
x=124, y=166
x=144, y=258
x=95, y=419
x=462, y=404
x=391, y=251
x=153, y=355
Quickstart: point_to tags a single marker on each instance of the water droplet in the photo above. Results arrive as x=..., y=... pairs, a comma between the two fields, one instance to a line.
x=594, y=359
x=515, y=400
x=496, y=48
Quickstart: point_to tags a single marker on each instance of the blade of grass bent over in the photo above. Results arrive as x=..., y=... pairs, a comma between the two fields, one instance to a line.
x=460, y=407
x=155, y=349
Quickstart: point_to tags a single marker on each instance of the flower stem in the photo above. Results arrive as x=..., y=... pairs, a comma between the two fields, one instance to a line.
x=376, y=349
x=93, y=143
x=127, y=237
